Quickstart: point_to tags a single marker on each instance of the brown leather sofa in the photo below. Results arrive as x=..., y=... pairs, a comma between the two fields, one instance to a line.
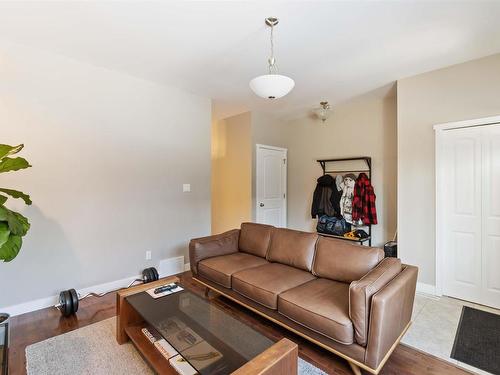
x=344, y=297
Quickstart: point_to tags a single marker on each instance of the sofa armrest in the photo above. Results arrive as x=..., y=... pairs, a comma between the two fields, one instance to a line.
x=212, y=246
x=391, y=311
x=361, y=292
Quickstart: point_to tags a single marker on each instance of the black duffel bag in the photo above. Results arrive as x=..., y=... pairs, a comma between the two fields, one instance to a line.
x=332, y=225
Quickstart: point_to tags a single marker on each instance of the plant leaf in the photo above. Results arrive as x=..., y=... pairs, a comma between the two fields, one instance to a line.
x=3, y=199
x=6, y=150
x=13, y=164
x=4, y=232
x=4, y=212
x=10, y=248
x=18, y=224
x=16, y=194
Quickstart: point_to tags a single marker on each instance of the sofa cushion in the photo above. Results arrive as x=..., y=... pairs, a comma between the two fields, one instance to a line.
x=342, y=261
x=255, y=238
x=321, y=305
x=263, y=284
x=293, y=248
x=219, y=269
x=362, y=291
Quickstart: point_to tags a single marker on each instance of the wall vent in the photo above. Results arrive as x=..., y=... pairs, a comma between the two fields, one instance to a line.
x=171, y=266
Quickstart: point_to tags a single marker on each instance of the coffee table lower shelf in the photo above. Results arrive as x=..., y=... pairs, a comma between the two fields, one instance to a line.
x=152, y=356
x=279, y=359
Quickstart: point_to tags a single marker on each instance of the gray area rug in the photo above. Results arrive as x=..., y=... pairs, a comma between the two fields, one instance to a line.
x=93, y=350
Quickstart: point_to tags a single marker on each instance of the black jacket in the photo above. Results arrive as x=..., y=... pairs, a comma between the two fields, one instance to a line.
x=326, y=198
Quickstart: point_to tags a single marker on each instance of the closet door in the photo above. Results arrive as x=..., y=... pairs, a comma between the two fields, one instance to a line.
x=462, y=158
x=491, y=215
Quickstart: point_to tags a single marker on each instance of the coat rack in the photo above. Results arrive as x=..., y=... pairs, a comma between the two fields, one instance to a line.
x=367, y=159
x=368, y=170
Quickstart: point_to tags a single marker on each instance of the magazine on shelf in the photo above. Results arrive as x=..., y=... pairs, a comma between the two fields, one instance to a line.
x=151, y=334
x=202, y=355
x=181, y=365
x=184, y=338
x=165, y=349
x=170, y=326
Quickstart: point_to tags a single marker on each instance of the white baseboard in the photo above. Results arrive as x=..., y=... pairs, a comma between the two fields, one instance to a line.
x=30, y=306
x=42, y=303
x=173, y=266
x=187, y=266
x=426, y=288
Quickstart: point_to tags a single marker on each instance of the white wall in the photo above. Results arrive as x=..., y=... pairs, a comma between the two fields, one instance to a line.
x=460, y=92
x=110, y=154
x=364, y=126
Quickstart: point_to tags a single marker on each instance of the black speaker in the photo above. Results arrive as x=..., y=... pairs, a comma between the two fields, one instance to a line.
x=391, y=249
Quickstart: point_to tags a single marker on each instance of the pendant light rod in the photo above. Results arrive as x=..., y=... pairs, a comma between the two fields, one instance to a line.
x=271, y=22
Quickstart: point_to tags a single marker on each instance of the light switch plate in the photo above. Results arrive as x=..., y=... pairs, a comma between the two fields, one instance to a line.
x=186, y=188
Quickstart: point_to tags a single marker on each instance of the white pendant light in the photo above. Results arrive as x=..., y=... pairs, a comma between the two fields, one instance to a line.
x=272, y=85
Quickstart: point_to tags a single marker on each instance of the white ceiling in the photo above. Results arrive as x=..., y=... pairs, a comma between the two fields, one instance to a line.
x=333, y=50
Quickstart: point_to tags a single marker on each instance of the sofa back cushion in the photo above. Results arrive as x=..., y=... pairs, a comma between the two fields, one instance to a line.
x=255, y=238
x=293, y=248
x=343, y=261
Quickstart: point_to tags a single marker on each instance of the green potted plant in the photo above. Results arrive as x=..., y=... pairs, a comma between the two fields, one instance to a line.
x=13, y=225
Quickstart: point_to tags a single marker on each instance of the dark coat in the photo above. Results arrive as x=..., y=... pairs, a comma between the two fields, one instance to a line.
x=326, y=198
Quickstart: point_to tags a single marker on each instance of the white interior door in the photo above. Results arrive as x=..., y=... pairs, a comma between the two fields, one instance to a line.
x=271, y=185
x=470, y=168
x=491, y=216
x=462, y=214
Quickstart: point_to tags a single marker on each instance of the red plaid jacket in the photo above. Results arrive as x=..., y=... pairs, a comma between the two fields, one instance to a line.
x=363, y=202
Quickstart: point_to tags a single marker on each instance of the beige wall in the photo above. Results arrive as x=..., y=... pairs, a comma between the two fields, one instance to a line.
x=365, y=126
x=110, y=153
x=465, y=91
x=231, y=172
x=234, y=143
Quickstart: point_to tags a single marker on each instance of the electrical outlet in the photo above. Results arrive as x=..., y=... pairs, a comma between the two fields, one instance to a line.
x=148, y=255
x=186, y=188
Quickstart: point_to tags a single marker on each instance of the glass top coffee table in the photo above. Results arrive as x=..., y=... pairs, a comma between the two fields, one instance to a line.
x=206, y=336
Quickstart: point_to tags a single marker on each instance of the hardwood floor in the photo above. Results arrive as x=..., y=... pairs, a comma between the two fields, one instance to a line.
x=29, y=328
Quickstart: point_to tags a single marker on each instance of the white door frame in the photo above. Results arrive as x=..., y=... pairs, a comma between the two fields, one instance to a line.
x=285, y=198
x=440, y=187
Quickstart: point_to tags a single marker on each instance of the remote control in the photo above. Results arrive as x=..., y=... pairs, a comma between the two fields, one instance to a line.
x=165, y=288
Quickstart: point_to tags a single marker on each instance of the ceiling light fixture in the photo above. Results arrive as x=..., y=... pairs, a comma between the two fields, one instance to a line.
x=324, y=111
x=272, y=85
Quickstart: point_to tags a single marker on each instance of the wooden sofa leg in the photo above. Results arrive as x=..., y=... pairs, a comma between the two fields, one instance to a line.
x=207, y=290
x=355, y=369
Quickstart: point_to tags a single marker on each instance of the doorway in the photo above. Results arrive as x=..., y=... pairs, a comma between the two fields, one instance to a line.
x=271, y=189
x=468, y=211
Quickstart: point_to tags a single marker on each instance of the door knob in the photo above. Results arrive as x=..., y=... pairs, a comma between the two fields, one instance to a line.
x=262, y=204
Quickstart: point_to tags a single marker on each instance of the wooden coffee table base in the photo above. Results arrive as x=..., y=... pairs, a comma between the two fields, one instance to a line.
x=279, y=359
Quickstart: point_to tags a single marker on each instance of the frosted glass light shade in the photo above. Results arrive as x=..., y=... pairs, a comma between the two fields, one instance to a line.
x=272, y=86
x=322, y=113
